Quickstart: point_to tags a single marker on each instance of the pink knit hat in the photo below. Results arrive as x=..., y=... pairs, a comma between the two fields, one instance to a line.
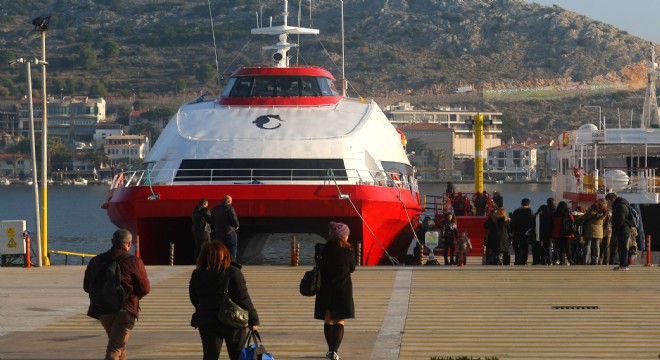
x=337, y=230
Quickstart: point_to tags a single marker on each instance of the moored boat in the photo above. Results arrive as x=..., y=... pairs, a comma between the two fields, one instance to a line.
x=595, y=160
x=5, y=181
x=80, y=181
x=292, y=152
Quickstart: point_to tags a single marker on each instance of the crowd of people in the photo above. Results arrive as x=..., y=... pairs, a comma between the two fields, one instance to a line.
x=602, y=234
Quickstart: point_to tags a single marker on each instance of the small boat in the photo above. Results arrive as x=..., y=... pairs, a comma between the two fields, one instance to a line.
x=80, y=181
x=291, y=150
x=67, y=182
x=29, y=182
x=5, y=182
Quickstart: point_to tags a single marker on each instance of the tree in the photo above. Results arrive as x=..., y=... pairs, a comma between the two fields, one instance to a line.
x=416, y=145
x=110, y=49
x=86, y=57
x=58, y=153
x=97, y=158
x=205, y=74
x=145, y=128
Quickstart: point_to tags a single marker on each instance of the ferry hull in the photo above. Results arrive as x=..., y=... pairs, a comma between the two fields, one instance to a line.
x=161, y=215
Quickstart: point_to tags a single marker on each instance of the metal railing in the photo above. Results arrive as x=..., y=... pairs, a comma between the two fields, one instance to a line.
x=149, y=177
x=71, y=253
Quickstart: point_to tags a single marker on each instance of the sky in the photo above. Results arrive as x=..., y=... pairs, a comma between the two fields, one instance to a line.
x=638, y=17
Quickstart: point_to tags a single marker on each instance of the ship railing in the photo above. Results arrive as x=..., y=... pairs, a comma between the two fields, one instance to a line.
x=639, y=180
x=149, y=177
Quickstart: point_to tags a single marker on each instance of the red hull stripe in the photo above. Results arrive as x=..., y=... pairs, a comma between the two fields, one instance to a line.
x=280, y=101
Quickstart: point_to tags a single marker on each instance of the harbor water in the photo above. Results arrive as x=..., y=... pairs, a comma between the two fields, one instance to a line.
x=77, y=223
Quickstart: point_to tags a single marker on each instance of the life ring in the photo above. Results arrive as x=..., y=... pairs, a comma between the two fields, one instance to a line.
x=566, y=139
x=404, y=140
x=396, y=179
x=120, y=180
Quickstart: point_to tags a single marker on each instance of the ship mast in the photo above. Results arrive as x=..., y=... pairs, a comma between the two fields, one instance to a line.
x=650, y=115
x=281, y=56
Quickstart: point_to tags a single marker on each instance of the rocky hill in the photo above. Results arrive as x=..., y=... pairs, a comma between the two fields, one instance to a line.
x=394, y=48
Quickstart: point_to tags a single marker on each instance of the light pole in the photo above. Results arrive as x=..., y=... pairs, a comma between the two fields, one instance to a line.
x=601, y=126
x=41, y=25
x=35, y=185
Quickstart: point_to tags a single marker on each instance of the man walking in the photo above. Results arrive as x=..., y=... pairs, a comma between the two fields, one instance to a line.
x=201, y=225
x=225, y=224
x=522, y=224
x=135, y=284
x=620, y=227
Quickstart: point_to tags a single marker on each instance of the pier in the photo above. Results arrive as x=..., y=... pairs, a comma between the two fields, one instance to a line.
x=514, y=312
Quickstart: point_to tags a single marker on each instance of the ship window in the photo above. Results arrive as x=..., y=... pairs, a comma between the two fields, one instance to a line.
x=286, y=86
x=394, y=167
x=253, y=170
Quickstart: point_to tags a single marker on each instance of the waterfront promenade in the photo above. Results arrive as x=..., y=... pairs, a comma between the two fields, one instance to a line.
x=528, y=312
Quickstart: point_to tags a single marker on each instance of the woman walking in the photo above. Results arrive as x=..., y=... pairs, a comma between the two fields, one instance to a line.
x=207, y=284
x=334, y=301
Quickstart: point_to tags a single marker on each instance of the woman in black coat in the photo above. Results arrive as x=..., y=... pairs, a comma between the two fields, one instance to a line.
x=334, y=301
x=207, y=285
x=499, y=240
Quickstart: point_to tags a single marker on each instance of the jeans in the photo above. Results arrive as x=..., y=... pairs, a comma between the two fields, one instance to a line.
x=200, y=238
x=546, y=250
x=521, y=249
x=449, y=248
x=591, y=251
x=230, y=240
x=118, y=328
x=622, y=241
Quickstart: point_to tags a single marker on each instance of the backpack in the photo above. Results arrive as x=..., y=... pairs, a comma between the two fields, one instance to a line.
x=106, y=294
x=569, y=227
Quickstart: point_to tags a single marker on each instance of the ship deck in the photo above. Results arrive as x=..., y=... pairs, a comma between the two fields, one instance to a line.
x=520, y=312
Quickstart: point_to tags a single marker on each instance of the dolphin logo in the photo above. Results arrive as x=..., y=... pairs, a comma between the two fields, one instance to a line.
x=262, y=120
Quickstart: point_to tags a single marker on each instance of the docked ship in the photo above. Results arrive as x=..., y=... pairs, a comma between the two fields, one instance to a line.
x=595, y=159
x=291, y=150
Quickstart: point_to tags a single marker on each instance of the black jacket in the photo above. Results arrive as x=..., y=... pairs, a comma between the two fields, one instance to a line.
x=523, y=221
x=336, y=293
x=545, y=214
x=201, y=219
x=224, y=219
x=498, y=234
x=620, y=210
x=206, y=289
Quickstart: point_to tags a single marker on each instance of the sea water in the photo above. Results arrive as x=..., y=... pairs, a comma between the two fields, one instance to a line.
x=76, y=221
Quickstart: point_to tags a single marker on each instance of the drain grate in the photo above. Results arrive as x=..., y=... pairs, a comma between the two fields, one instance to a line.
x=575, y=308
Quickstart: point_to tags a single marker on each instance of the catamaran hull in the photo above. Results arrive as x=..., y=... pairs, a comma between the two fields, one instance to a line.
x=379, y=217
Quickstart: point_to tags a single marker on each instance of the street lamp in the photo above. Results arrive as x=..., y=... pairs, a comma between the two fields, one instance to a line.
x=601, y=126
x=41, y=25
x=35, y=185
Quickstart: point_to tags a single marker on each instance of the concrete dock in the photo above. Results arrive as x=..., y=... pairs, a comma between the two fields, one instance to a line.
x=522, y=312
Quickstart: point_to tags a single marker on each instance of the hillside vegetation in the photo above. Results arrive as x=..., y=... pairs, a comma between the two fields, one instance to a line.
x=395, y=50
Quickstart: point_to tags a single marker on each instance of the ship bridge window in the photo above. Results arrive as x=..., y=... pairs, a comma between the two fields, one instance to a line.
x=395, y=167
x=253, y=170
x=286, y=86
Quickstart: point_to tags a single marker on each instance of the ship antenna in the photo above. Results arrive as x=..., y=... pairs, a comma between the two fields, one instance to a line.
x=281, y=56
x=344, y=84
x=215, y=48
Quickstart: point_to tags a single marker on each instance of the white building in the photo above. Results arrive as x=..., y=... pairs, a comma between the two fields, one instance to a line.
x=14, y=166
x=126, y=147
x=403, y=113
x=511, y=161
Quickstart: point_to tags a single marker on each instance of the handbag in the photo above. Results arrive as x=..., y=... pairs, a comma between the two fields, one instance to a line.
x=230, y=313
x=311, y=282
x=254, y=349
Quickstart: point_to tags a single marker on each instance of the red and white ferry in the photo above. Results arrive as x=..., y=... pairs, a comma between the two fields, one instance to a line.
x=293, y=153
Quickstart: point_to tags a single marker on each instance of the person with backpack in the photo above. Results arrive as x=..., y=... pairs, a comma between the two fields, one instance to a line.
x=201, y=225
x=621, y=227
x=116, y=281
x=562, y=232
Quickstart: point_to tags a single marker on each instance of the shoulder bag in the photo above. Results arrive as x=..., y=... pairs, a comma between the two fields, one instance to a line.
x=311, y=282
x=230, y=314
